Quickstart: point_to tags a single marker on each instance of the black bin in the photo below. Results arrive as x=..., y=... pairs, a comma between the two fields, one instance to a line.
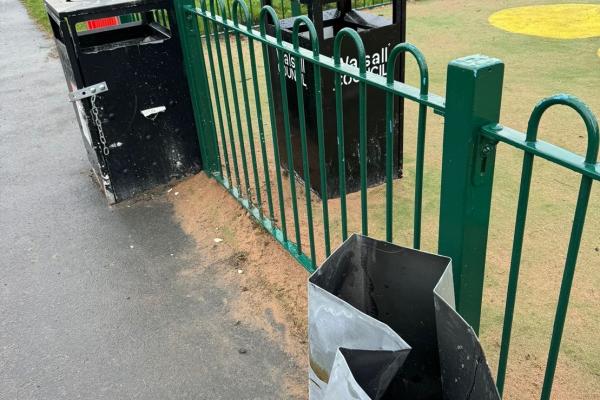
x=379, y=36
x=140, y=133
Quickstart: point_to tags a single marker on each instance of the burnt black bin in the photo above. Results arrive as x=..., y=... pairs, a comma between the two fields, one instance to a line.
x=146, y=114
x=379, y=36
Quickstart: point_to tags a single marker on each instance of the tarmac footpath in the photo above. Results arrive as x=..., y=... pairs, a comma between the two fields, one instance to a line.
x=91, y=302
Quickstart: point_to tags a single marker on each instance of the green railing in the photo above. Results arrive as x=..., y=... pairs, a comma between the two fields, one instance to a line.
x=223, y=118
x=589, y=169
x=232, y=90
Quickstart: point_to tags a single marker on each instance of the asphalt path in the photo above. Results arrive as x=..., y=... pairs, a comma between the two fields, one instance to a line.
x=92, y=304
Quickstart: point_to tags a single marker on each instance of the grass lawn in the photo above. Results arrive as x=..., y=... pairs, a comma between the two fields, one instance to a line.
x=37, y=11
x=535, y=67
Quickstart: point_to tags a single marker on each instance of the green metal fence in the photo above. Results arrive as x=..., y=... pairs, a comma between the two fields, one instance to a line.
x=234, y=107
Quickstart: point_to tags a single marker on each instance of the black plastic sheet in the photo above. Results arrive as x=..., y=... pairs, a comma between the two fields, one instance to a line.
x=383, y=325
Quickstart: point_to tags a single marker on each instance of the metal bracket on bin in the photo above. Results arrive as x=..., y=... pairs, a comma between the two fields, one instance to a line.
x=88, y=91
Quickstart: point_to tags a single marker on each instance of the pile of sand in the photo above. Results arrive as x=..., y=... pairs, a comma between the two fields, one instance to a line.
x=270, y=286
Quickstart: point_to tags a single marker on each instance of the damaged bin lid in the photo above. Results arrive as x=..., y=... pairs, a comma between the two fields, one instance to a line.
x=382, y=325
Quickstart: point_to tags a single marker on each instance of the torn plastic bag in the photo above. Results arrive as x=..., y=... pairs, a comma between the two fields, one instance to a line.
x=373, y=328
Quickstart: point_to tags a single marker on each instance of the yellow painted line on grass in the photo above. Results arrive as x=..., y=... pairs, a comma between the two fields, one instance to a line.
x=558, y=21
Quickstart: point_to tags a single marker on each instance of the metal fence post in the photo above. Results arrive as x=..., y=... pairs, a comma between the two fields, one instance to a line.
x=296, y=8
x=473, y=97
x=193, y=61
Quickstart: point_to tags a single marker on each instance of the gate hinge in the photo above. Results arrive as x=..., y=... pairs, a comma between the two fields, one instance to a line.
x=88, y=91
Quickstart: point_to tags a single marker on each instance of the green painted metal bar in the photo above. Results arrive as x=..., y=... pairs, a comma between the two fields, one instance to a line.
x=320, y=131
x=515, y=264
x=418, y=218
x=341, y=153
x=302, y=122
x=188, y=27
x=265, y=12
x=261, y=129
x=362, y=121
x=212, y=143
x=542, y=149
x=213, y=74
x=296, y=8
x=583, y=198
x=590, y=159
x=236, y=5
x=474, y=92
x=421, y=128
x=205, y=88
x=322, y=168
x=224, y=90
x=566, y=284
x=433, y=101
x=424, y=79
x=362, y=115
x=389, y=148
x=288, y=144
x=236, y=105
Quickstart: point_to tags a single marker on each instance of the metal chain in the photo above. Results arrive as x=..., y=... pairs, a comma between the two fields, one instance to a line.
x=98, y=123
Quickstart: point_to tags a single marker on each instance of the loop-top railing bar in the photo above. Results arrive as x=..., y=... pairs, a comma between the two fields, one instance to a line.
x=224, y=90
x=237, y=4
x=581, y=207
x=236, y=104
x=362, y=126
x=269, y=12
x=422, y=122
x=248, y=16
x=588, y=117
x=217, y=102
x=303, y=20
x=532, y=147
x=286, y=129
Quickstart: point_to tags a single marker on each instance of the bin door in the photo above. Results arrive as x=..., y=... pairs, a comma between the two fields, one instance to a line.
x=147, y=115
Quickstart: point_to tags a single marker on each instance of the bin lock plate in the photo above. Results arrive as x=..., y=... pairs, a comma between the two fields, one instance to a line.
x=88, y=91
